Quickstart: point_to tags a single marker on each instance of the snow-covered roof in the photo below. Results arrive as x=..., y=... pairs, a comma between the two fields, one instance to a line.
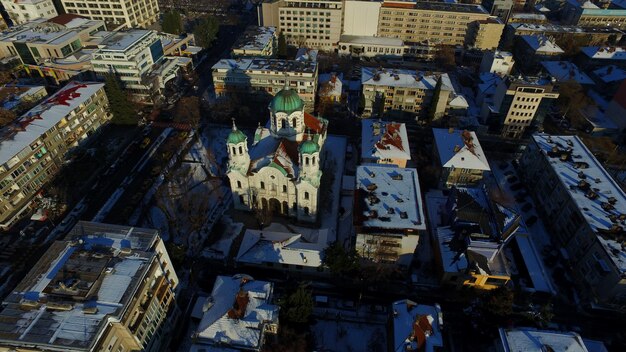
x=330, y=84
x=306, y=55
x=599, y=198
x=260, y=247
x=565, y=71
x=416, y=326
x=388, y=197
x=384, y=140
x=123, y=40
x=266, y=65
x=404, y=78
x=460, y=149
x=102, y=286
x=532, y=340
x=452, y=261
x=239, y=327
x=605, y=53
x=371, y=40
x=610, y=73
x=459, y=102
x=529, y=16
x=541, y=44
x=255, y=38
x=30, y=126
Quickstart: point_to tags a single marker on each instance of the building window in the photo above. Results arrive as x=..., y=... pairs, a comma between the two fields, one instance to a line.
x=238, y=184
x=262, y=185
x=284, y=188
x=306, y=195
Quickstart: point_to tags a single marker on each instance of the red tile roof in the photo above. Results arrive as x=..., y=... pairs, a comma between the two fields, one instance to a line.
x=392, y=137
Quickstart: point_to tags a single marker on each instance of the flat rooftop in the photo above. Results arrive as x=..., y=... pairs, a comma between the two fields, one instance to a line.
x=276, y=65
x=404, y=78
x=67, y=298
x=438, y=6
x=371, y=40
x=532, y=340
x=48, y=31
x=388, y=198
x=121, y=41
x=259, y=247
x=384, y=140
x=30, y=126
x=255, y=38
x=599, y=198
x=557, y=28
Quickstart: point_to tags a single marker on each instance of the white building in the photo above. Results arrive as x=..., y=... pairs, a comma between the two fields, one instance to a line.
x=460, y=156
x=256, y=42
x=388, y=213
x=22, y=11
x=360, y=17
x=137, y=58
x=384, y=142
x=371, y=46
x=416, y=327
x=533, y=340
x=118, y=13
x=498, y=62
x=237, y=315
x=282, y=170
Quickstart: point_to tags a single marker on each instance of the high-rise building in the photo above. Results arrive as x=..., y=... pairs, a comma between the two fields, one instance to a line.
x=22, y=11
x=116, y=13
x=32, y=148
x=104, y=288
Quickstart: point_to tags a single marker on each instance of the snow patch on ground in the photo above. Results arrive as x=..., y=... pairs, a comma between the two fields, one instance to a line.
x=339, y=336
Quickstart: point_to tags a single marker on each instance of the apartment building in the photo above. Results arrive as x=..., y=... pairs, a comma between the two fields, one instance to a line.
x=515, y=104
x=563, y=34
x=460, y=156
x=531, y=50
x=401, y=93
x=584, y=209
x=256, y=42
x=22, y=11
x=360, y=17
x=263, y=78
x=500, y=8
x=434, y=22
x=104, y=288
x=485, y=34
x=384, y=142
x=388, y=214
x=32, y=148
x=117, y=14
x=500, y=62
x=587, y=14
x=137, y=57
x=305, y=23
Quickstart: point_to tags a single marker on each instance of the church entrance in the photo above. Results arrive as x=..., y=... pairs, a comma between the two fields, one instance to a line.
x=275, y=207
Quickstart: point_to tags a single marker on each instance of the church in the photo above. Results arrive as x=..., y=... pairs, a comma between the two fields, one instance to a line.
x=281, y=170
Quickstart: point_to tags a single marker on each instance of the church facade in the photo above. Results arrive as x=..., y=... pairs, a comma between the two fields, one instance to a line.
x=280, y=171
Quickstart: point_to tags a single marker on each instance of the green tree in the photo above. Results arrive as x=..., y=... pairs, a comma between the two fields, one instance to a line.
x=206, y=31
x=123, y=110
x=571, y=101
x=341, y=261
x=499, y=302
x=188, y=111
x=445, y=57
x=172, y=22
x=6, y=117
x=282, y=46
x=297, y=308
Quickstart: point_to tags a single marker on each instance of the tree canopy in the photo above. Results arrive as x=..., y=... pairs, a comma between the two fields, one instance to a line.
x=124, y=112
x=298, y=306
x=282, y=46
x=341, y=261
x=206, y=30
x=172, y=22
x=188, y=111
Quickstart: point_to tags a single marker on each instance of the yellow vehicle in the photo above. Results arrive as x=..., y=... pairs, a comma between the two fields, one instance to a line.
x=145, y=142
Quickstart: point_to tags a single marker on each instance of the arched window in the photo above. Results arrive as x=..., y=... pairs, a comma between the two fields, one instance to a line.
x=234, y=151
x=282, y=123
x=238, y=184
x=313, y=161
x=284, y=188
x=240, y=150
x=293, y=122
x=306, y=195
x=306, y=161
x=262, y=185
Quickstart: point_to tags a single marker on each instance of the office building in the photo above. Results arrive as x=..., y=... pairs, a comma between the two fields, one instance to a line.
x=360, y=17
x=460, y=156
x=118, y=14
x=584, y=210
x=563, y=34
x=384, y=142
x=32, y=148
x=372, y=46
x=436, y=23
x=499, y=8
x=104, y=288
x=256, y=42
x=22, y=11
x=512, y=105
x=405, y=93
x=587, y=14
x=261, y=79
x=388, y=214
x=498, y=62
x=531, y=50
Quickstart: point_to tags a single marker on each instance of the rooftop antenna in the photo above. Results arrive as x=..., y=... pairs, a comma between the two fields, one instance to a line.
x=234, y=126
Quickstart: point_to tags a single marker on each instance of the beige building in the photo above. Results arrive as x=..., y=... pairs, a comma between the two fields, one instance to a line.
x=105, y=288
x=263, y=78
x=116, y=13
x=462, y=159
x=584, y=209
x=32, y=149
x=390, y=92
x=437, y=23
x=22, y=11
x=485, y=34
x=309, y=23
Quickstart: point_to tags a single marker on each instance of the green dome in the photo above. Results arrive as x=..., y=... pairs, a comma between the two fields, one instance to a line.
x=309, y=147
x=287, y=101
x=236, y=137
